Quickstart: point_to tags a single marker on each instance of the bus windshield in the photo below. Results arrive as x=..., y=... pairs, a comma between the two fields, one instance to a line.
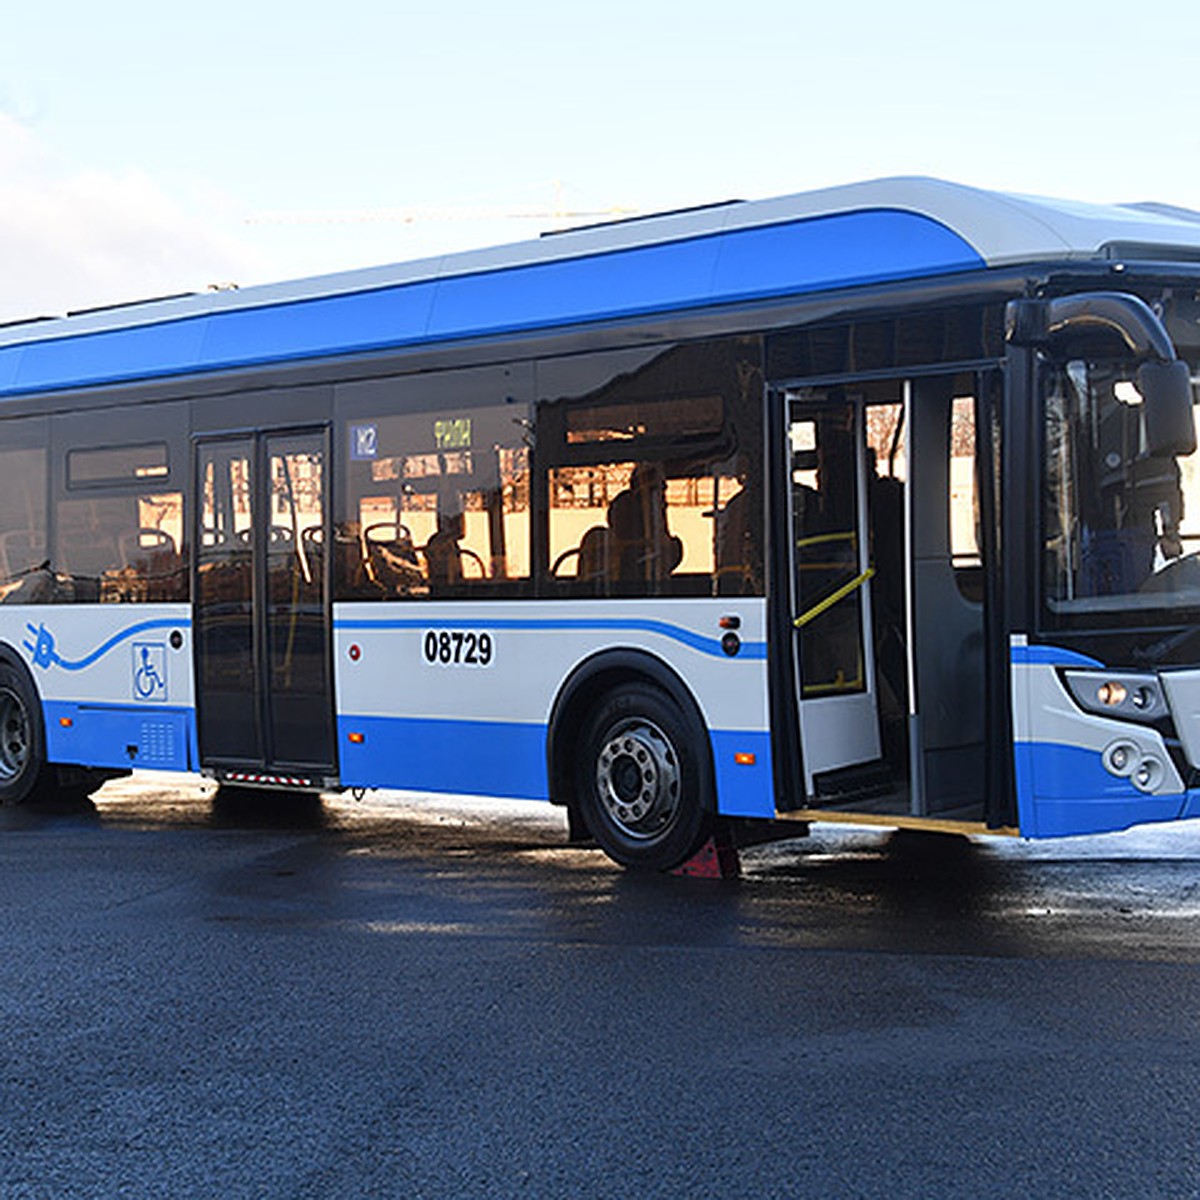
x=1121, y=528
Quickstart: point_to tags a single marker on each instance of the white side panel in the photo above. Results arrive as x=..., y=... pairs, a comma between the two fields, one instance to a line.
x=105, y=653
x=382, y=670
x=1183, y=695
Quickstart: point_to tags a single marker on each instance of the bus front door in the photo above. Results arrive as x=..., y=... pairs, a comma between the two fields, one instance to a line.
x=262, y=611
x=888, y=581
x=831, y=583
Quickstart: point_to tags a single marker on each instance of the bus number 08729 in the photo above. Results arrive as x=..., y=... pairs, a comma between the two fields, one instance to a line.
x=457, y=647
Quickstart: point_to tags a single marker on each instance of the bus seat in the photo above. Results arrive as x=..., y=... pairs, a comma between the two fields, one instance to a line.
x=391, y=560
x=136, y=547
x=595, y=551
x=20, y=551
x=85, y=554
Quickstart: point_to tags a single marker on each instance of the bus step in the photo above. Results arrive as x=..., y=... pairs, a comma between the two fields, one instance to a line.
x=263, y=780
x=864, y=782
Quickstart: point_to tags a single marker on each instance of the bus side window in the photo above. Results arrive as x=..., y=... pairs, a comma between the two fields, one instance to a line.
x=439, y=505
x=121, y=548
x=649, y=456
x=23, y=577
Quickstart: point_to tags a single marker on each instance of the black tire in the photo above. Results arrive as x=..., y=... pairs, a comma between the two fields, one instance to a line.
x=23, y=771
x=643, y=778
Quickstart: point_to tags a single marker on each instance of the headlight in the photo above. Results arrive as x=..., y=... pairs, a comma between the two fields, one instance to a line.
x=1128, y=696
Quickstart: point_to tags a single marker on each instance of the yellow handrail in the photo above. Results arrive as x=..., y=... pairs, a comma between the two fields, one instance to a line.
x=830, y=600
x=820, y=538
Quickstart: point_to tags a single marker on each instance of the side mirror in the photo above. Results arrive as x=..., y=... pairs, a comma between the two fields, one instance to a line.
x=1166, y=389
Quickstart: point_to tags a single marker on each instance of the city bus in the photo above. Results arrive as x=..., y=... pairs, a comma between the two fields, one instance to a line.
x=874, y=504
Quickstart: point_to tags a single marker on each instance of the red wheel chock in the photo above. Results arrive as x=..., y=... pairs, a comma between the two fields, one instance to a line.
x=716, y=859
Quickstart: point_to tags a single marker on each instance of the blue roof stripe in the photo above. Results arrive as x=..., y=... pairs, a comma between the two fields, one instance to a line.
x=759, y=263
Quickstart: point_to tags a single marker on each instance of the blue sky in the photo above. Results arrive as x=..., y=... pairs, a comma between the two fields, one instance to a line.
x=143, y=146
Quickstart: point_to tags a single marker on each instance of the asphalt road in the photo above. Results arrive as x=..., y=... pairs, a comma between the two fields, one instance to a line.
x=409, y=997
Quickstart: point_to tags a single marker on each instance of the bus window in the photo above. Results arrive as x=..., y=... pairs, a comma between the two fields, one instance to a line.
x=117, y=464
x=296, y=535
x=440, y=502
x=121, y=548
x=23, y=528
x=822, y=436
x=638, y=526
x=1114, y=517
x=653, y=470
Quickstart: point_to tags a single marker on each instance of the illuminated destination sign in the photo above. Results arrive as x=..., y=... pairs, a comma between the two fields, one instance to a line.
x=452, y=433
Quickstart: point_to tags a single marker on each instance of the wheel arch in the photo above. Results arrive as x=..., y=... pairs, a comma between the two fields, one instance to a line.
x=583, y=688
x=38, y=780
x=10, y=656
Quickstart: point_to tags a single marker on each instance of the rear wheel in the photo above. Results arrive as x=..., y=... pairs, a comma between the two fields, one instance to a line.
x=23, y=771
x=643, y=780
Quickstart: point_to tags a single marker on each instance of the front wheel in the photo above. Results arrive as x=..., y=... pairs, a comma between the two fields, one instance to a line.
x=643, y=779
x=23, y=770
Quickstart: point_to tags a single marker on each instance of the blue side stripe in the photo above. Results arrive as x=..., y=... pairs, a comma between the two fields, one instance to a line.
x=1064, y=791
x=792, y=258
x=1054, y=656
x=694, y=641
x=508, y=758
x=43, y=653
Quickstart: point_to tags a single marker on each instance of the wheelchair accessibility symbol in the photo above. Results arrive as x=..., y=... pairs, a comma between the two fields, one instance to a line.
x=149, y=671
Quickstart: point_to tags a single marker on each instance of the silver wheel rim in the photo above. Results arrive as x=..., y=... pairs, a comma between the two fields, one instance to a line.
x=637, y=779
x=14, y=735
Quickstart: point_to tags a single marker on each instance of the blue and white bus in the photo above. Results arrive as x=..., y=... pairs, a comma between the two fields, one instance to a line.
x=873, y=504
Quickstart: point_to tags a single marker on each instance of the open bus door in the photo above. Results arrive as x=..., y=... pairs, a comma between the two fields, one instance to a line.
x=888, y=612
x=831, y=580
x=262, y=611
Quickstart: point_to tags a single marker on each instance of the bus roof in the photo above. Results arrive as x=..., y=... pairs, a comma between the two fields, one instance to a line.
x=740, y=252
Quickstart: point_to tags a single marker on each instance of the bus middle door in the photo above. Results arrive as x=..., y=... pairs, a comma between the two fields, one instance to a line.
x=262, y=619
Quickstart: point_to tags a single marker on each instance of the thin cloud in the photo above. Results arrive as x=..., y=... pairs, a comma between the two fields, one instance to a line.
x=72, y=239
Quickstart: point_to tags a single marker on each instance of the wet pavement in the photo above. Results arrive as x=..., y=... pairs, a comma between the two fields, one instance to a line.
x=437, y=997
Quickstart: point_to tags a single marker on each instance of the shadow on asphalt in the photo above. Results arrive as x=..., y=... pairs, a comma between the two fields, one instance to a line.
x=69, y=808
x=256, y=808
x=904, y=871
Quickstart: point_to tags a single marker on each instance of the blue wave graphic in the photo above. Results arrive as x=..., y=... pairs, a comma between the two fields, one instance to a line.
x=44, y=654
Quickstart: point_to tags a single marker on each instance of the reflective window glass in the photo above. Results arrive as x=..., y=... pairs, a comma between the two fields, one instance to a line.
x=653, y=470
x=117, y=464
x=120, y=549
x=23, y=575
x=437, y=501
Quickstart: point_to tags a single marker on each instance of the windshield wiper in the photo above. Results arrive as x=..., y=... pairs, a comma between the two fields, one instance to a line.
x=1156, y=653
